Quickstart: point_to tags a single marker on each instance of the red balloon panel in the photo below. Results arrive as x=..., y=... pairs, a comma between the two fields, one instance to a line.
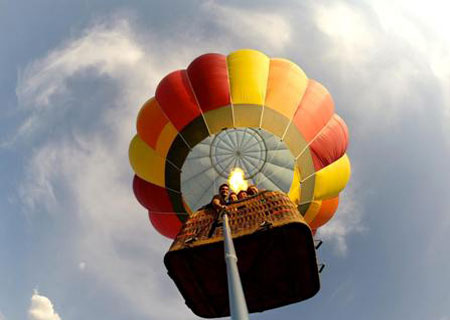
x=152, y=197
x=330, y=144
x=167, y=224
x=157, y=201
x=175, y=96
x=208, y=75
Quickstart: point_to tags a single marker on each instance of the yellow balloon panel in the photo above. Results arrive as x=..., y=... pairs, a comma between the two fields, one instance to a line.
x=165, y=139
x=332, y=179
x=248, y=71
x=285, y=88
x=247, y=116
x=294, y=191
x=219, y=119
x=274, y=122
x=313, y=210
x=296, y=143
x=146, y=162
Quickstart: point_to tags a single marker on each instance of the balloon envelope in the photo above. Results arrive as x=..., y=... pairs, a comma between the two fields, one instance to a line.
x=242, y=110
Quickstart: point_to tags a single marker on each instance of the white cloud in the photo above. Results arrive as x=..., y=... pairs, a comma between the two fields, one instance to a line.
x=349, y=27
x=37, y=188
x=430, y=16
x=347, y=220
x=41, y=308
x=385, y=51
x=110, y=50
x=423, y=26
x=82, y=266
x=261, y=28
x=97, y=48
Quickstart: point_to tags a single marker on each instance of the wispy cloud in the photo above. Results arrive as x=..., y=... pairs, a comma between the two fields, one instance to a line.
x=347, y=220
x=422, y=26
x=349, y=27
x=82, y=266
x=106, y=51
x=96, y=49
x=392, y=55
x=391, y=60
x=269, y=30
x=41, y=308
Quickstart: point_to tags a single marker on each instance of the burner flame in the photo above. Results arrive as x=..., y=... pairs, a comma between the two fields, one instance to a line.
x=237, y=181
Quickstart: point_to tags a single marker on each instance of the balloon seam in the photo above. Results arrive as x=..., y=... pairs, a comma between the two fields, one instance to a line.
x=313, y=139
x=293, y=113
x=196, y=101
x=231, y=96
x=168, y=119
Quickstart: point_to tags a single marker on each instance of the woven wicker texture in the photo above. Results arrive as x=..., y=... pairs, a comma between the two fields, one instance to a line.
x=264, y=210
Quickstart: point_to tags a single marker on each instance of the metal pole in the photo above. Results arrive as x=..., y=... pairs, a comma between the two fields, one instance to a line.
x=238, y=306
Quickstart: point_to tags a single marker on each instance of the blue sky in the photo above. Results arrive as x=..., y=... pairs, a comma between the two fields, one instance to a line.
x=73, y=76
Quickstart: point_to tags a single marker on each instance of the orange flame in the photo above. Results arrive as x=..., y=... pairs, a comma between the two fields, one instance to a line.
x=236, y=180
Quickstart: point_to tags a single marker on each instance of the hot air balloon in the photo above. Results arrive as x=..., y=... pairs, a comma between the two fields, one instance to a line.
x=262, y=115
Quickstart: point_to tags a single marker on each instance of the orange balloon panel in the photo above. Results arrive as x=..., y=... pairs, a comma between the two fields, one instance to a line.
x=285, y=87
x=326, y=212
x=314, y=111
x=150, y=122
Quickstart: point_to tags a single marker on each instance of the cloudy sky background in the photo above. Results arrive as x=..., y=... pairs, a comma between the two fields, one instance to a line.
x=75, y=244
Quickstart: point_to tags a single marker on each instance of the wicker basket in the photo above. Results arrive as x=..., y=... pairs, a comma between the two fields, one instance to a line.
x=274, y=245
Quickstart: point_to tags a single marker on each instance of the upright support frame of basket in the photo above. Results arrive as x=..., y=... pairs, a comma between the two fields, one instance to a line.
x=238, y=305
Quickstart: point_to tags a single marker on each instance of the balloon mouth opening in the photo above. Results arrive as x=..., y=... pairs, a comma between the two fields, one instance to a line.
x=260, y=157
